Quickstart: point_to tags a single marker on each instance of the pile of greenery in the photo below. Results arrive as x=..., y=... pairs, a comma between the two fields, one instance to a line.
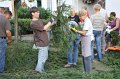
x=21, y=61
x=115, y=38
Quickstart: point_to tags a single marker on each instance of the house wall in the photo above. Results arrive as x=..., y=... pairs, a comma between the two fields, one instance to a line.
x=30, y=4
x=78, y=4
x=7, y=4
x=49, y=4
x=113, y=6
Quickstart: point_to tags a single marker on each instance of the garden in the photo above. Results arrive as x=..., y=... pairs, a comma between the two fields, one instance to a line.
x=21, y=59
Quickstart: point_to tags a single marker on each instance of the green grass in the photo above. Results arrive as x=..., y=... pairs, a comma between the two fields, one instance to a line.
x=21, y=60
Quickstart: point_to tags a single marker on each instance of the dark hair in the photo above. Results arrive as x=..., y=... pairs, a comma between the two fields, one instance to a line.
x=33, y=9
x=8, y=12
x=113, y=14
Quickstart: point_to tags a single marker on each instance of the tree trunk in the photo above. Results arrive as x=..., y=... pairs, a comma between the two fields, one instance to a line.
x=16, y=21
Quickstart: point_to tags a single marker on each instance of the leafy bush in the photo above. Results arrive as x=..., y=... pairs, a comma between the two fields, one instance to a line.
x=23, y=26
x=24, y=13
x=44, y=14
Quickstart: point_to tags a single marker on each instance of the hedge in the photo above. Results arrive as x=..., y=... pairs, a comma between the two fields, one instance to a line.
x=24, y=13
x=23, y=26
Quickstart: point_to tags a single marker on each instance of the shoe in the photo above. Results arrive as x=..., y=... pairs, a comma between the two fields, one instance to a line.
x=68, y=65
x=74, y=65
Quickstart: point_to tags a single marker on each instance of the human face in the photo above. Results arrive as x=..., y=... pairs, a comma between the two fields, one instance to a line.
x=73, y=12
x=36, y=15
x=7, y=16
x=83, y=17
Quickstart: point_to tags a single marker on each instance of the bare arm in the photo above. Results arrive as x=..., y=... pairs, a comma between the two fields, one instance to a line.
x=106, y=17
x=47, y=26
x=82, y=32
x=117, y=25
x=9, y=36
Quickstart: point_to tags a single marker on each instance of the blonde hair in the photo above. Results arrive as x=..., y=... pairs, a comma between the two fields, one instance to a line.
x=84, y=7
x=82, y=12
x=97, y=7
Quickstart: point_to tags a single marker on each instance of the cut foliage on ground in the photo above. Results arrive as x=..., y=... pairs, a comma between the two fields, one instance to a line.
x=21, y=60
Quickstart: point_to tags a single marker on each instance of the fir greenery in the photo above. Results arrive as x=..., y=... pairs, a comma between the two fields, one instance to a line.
x=61, y=32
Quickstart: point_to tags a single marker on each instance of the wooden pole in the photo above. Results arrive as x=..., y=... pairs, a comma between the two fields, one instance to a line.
x=16, y=21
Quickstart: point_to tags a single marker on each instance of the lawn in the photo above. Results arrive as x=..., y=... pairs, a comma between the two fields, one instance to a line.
x=21, y=60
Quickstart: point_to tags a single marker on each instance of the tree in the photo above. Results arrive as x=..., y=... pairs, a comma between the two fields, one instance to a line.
x=16, y=5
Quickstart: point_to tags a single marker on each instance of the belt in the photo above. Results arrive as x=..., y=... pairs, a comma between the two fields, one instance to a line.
x=3, y=37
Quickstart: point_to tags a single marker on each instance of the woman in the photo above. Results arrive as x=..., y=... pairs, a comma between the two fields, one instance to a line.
x=115, y=26
x=86, y=33
x=73, y=49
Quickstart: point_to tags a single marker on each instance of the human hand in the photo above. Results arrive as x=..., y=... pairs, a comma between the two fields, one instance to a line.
x=53, y=22
x=108, y=30
x=73, y=29
x=8, y=42
x=109, y=27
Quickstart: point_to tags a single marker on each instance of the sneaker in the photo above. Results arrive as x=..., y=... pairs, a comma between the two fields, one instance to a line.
x=67, y=65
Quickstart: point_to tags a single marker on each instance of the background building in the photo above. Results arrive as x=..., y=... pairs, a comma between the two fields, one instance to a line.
x=110, y=5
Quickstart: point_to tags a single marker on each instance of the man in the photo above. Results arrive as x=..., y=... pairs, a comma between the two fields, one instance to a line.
x=40, y=38
x=8, y=14
x=5, y=37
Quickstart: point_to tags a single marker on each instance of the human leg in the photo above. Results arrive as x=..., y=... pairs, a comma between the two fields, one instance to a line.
x=98, y=46
x=75, y=50
x=87, y=64
x=3, y=46
x=42, y=57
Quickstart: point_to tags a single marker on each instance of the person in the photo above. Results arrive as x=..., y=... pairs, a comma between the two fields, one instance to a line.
x=85, y=7
x=2, y=9
x=115, y=26
x=40, y=37
x=5, y=38
x=86, y=33
x=98, y=25
x=103, y=13
x=73, y=49
x=8, y=14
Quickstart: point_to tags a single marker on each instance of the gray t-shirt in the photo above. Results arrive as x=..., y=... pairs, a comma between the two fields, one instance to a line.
x=97, y=22
x=4, y=25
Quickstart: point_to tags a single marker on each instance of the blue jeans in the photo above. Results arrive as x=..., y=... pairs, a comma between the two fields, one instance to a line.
x=42, y=57
x=73, y=51
x=92, y=49
x=97, y=35
x=87, y=63
x=3, y=46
